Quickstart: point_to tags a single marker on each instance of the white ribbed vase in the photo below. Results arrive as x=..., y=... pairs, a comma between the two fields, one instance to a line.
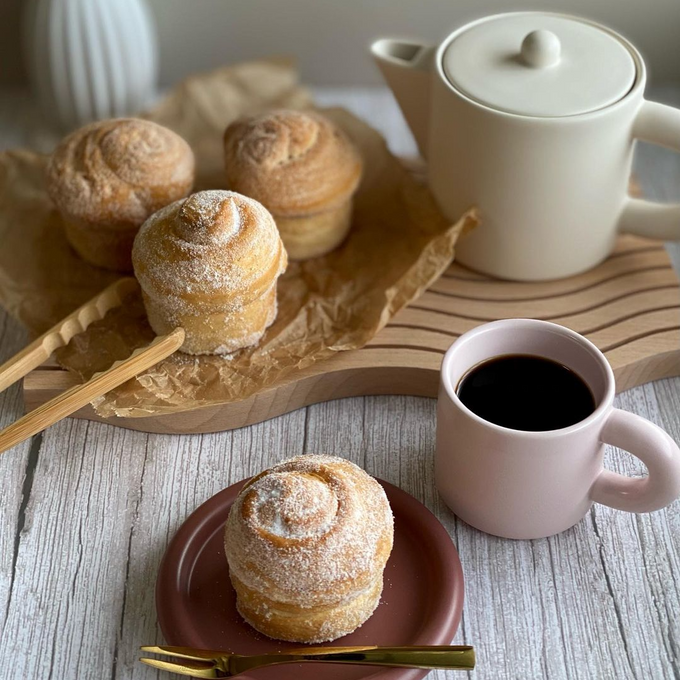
x=90, y=59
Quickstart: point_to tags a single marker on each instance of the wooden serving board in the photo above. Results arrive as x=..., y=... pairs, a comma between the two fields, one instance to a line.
x=629, y=306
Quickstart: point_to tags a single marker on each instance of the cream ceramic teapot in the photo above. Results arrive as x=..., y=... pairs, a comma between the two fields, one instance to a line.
x=532, y=117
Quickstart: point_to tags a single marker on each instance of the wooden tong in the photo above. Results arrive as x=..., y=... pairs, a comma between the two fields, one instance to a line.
x=100, y=383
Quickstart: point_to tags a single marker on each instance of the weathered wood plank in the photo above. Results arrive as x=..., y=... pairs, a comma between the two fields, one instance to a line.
x=16, y=472
x=72, y=560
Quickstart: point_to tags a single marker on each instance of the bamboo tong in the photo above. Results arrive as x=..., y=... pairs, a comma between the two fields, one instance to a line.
x=100, y=383
x=204, y=663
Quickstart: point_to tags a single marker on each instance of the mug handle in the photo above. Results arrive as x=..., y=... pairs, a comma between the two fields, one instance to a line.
x=658, y=124
x=655, y=449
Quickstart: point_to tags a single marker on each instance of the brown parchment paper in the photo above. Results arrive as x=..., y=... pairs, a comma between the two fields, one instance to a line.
x=399, y=244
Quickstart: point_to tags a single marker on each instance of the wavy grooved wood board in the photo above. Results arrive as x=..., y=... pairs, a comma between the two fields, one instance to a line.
x=629, y=307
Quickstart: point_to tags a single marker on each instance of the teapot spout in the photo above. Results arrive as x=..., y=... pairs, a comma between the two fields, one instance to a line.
x=407, y=68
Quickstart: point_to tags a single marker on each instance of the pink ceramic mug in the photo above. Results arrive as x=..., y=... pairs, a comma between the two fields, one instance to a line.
x=521, y=484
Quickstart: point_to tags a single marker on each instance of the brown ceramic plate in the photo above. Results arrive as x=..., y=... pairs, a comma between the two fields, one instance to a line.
x=421, y=603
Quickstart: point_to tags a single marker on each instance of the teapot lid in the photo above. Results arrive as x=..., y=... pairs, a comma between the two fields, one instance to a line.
x=539, y=64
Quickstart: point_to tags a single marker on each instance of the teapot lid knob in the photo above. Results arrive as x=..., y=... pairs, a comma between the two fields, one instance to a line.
x=541, y=49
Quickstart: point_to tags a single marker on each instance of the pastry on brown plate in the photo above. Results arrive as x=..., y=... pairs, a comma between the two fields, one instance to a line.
x=108, y=177
x=209, y=264
x=303, y=169
x=307, y=542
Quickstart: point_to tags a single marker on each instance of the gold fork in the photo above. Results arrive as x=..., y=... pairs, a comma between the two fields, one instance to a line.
x=207, y=663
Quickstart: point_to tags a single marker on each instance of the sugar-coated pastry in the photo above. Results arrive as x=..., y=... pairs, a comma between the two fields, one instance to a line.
x=307, y=542
x=209, y=263
x=108, y=177
x=303, y=169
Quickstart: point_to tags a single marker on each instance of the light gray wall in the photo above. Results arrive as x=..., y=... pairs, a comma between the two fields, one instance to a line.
x=330, y=37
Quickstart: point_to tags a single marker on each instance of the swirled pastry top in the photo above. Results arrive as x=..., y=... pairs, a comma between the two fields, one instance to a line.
x=294, y=162
x=213, y=250
x=312, y=530
x=119, y=171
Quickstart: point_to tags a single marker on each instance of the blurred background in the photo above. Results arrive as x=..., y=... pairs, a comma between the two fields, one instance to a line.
x=65, y=62
x=330, y=37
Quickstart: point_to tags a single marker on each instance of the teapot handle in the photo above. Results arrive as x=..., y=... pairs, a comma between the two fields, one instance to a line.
x=658, y=124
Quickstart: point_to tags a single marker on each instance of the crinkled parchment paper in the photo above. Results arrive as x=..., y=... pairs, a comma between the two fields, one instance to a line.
x=399, y=244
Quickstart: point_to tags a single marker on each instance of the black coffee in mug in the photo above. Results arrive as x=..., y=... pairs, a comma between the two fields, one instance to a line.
x=526, y=392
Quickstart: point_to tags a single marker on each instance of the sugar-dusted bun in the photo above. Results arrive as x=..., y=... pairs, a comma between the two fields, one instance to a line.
x=108, y=177
x=307, y=542
x=299, y=165
x=293, y=162
x=209, y=263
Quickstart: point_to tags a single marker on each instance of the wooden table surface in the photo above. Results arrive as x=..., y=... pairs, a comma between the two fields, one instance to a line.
x=87, y=510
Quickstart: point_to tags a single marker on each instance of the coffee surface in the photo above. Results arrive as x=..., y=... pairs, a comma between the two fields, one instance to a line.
x=526, y=392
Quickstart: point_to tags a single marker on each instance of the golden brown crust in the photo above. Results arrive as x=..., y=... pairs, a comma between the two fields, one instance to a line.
x=209, y=263
x=102, y=247
x=293, y=162
x=118, y=172
x=312, y=625
x=315, y=235
x=307, y=542
x=218, y=332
